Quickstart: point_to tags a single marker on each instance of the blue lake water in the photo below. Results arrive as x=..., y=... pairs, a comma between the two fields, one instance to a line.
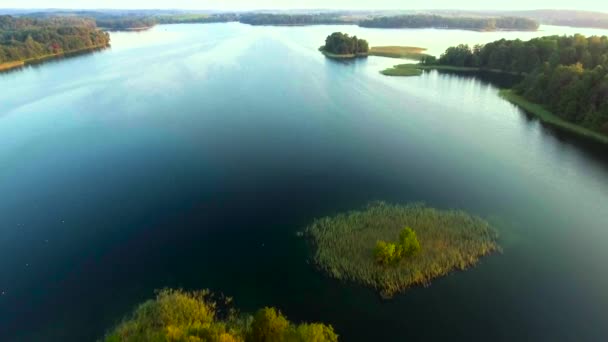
x=190, y=155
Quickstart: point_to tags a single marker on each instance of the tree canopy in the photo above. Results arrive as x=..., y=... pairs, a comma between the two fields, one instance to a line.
x=179, y=316
x=467, y=23
x=388, y=252
x=566, y=74
x=26, y=38
x=342, y=44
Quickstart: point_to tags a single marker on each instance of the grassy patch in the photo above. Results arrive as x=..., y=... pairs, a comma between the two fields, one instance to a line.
x=402, y=70
x=451, y=240
x=409, y=52
x=546, y=116
x=416, y=69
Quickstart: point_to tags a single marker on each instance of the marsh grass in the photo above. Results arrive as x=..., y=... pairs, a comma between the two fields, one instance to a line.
x=408, y=52
x=402, y=70
x=450, y=240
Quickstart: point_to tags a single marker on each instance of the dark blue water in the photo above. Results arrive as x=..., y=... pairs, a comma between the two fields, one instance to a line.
x=190, y=155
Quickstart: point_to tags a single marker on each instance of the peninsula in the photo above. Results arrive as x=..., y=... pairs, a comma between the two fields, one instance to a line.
x=565, y=78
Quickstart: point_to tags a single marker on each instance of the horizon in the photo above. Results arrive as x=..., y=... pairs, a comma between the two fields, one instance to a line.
x=324, y=5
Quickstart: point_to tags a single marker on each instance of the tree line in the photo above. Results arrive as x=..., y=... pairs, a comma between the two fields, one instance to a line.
x=27, y=38
x=127, y=22
x=179, y=316
x=566, y=74
x=290, y=19
x=342, y=44
x=437, y=21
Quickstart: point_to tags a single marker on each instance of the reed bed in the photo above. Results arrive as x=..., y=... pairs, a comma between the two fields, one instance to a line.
x=450, y=240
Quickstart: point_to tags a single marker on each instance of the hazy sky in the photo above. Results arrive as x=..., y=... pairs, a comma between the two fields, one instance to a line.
x=600, y=5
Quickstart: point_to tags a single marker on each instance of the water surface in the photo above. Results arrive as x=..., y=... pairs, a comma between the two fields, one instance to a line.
x=189, y=155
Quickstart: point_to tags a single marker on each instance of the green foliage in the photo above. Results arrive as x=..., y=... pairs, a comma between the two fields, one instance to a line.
x=290, y=19
x=387, y=253
x=477, y=23
x=568, y=75
x=268, y=326
x=443, y=241
x=402, y=70
x=179, y=316
x=408, y=242
x=23, y=39
x=339, y=43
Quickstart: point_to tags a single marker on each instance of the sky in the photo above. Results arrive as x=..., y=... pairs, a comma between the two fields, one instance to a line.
x=598, y=5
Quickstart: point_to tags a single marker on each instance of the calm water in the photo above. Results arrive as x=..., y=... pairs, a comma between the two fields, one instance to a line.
x=189, y=155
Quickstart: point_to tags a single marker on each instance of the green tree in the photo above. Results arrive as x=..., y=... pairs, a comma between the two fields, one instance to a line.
x=408, y=242
x=269, y=325
x=385, y=252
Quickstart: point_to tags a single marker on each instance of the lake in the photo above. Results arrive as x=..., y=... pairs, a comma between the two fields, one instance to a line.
x=190, y=155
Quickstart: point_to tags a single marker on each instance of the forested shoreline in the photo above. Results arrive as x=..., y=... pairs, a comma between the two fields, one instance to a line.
x=28, y=39
x=447, y=22
x=567, y=75
x=132, y=20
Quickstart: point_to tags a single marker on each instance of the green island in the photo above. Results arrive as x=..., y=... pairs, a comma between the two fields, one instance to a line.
x=565, y=78
x=342, y=46
x=393, y=247
x=179, y=316
x=27, y=40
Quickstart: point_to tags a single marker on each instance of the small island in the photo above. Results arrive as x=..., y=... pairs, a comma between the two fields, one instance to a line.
x=393, y=247
x=342, y=46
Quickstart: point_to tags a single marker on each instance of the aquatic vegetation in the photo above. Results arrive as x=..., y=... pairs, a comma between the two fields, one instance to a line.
x=408, y=52
x=449, y=240
x=175, y=315
x=402, y=70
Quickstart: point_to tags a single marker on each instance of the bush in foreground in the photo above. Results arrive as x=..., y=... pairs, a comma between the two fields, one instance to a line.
x=179, y=316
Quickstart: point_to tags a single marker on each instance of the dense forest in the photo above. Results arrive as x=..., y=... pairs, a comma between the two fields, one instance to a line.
x=339, y=43
x=134, y=22
x=29, y=38
x=290, y=19
x=447, y=22
x=568, y=75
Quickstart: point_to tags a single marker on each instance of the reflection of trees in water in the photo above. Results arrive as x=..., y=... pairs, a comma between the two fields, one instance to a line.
x=499, y=80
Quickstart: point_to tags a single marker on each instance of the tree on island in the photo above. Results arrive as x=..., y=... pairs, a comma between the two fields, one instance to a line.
x=342, y=44
x=388, y=252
